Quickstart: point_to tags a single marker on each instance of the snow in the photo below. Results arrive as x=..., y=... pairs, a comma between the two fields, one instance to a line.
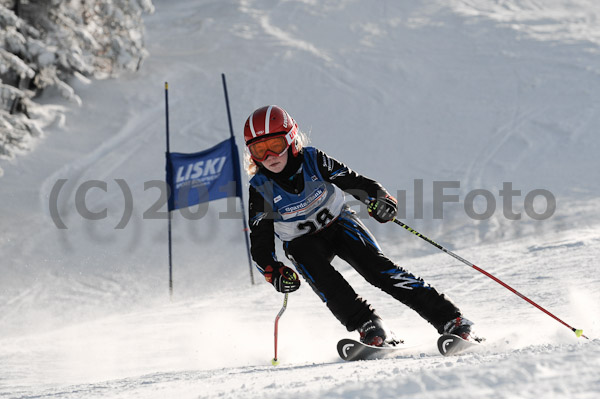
x=476, y=91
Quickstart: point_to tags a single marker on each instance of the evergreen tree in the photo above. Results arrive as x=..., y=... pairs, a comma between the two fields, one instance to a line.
x=44, y=43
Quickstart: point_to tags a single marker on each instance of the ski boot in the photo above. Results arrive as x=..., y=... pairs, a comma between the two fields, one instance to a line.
x=374, y=332
x=463, y=328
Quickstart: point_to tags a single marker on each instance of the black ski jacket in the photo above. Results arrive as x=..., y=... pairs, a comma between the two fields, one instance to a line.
x=262, y=236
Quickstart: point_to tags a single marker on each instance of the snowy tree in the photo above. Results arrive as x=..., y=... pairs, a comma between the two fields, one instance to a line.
x=44, y=43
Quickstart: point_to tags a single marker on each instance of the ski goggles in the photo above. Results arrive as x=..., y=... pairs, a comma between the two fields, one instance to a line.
x=274, y=145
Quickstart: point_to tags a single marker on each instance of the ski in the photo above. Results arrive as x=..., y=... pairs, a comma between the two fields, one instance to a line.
x=350, y=350
x=450, y=344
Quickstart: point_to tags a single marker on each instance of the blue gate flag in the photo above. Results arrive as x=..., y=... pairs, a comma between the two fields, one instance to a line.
x=203, y=176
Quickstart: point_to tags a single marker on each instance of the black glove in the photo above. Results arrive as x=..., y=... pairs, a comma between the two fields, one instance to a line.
x=282, y=277
x=383, y=209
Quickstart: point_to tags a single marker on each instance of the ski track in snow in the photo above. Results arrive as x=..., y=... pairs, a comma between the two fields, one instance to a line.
x=419, y=376
x=526, y=352
x=477, y=90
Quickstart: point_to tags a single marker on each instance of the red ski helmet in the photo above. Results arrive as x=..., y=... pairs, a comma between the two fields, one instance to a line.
x=267, y=122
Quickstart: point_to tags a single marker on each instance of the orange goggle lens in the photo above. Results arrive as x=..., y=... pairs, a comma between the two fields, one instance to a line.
x=273, y=145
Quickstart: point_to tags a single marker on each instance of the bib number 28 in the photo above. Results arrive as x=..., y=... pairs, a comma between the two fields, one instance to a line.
x=323, y=218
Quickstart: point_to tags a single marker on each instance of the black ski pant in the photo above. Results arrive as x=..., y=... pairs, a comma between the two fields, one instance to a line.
x=348, y=238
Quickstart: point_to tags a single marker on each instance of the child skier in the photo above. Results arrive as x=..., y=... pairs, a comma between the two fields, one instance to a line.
x=297, y=194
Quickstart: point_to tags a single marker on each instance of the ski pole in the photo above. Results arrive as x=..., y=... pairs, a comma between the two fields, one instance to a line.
x=275, y=361
x=578, y=333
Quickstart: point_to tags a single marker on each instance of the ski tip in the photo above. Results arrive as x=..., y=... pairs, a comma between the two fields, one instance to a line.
x=450, y=344
x=345, y=347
